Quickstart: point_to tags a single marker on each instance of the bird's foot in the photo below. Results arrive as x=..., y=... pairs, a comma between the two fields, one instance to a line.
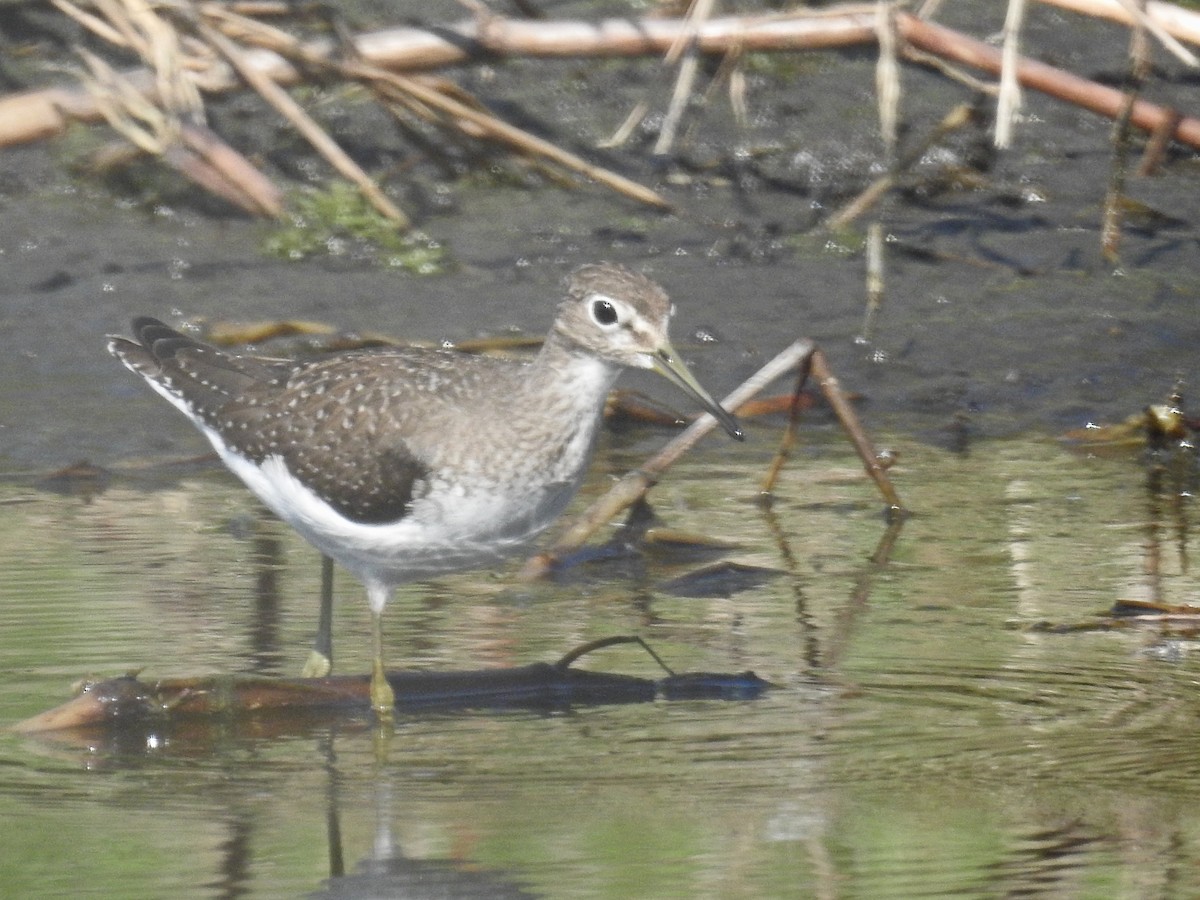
x=318, y=665
x=383, y=698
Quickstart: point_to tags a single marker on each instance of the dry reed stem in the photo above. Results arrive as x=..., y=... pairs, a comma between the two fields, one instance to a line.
x=37, y=114
x=500, y=131
x=698, y=13
x=282, y=101
x=731, y=72
x=815, y=365
x=438, y=105
x=124, y=108
x=625, y=129
x=168, y=121
x=92, y=23
x=737, y=86
x=1008, y=101
x=249, y=187
x=134, y=25
x=887, y=75
x=190, y=149
x=681, y=44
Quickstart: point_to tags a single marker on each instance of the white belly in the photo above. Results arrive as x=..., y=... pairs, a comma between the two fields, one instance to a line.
x=469, y=523
x=454, y=529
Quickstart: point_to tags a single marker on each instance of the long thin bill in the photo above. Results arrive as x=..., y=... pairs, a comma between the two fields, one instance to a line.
x=671, y=367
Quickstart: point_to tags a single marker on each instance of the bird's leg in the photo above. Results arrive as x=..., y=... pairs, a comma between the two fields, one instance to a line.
x=383, y=699
x=320, y=658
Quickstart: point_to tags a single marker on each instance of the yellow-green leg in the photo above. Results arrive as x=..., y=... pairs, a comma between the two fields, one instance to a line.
x=318, y=665
x=383, y=699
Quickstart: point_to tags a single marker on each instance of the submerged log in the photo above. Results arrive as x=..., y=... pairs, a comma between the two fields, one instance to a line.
x=127, y=702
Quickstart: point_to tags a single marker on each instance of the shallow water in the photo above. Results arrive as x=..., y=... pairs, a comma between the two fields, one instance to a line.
x=924, y=738
x=927, y=735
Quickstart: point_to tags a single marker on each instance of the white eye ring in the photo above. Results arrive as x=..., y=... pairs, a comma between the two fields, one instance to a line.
x=604, y=312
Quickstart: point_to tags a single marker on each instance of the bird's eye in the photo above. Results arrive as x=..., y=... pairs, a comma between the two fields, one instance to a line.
x=604, y=313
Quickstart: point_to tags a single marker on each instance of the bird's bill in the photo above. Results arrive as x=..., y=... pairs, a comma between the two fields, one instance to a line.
x=668, y=364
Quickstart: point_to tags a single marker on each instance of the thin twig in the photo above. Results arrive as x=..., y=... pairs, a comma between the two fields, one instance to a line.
x=954, y=73
x=887, y=76
x=958, y=117
x=787, y=443
x=871, y=460
x=91, y=22
x=698, y=14
x=501, y=132
x=570, y=658
x=1110, y=229
x=625, y=129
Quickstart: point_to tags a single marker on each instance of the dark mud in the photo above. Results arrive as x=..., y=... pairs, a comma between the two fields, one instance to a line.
x=1000, y=317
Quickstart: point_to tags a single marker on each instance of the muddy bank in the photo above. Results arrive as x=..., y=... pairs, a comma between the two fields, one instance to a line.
x=1000, y=315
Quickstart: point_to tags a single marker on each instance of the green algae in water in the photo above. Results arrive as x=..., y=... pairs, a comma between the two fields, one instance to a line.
x=338, y=221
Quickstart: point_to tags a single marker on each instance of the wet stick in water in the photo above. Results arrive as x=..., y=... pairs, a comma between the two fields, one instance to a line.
x=815, y=365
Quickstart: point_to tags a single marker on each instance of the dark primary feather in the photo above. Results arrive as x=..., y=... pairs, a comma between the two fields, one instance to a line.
x=307, y=413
